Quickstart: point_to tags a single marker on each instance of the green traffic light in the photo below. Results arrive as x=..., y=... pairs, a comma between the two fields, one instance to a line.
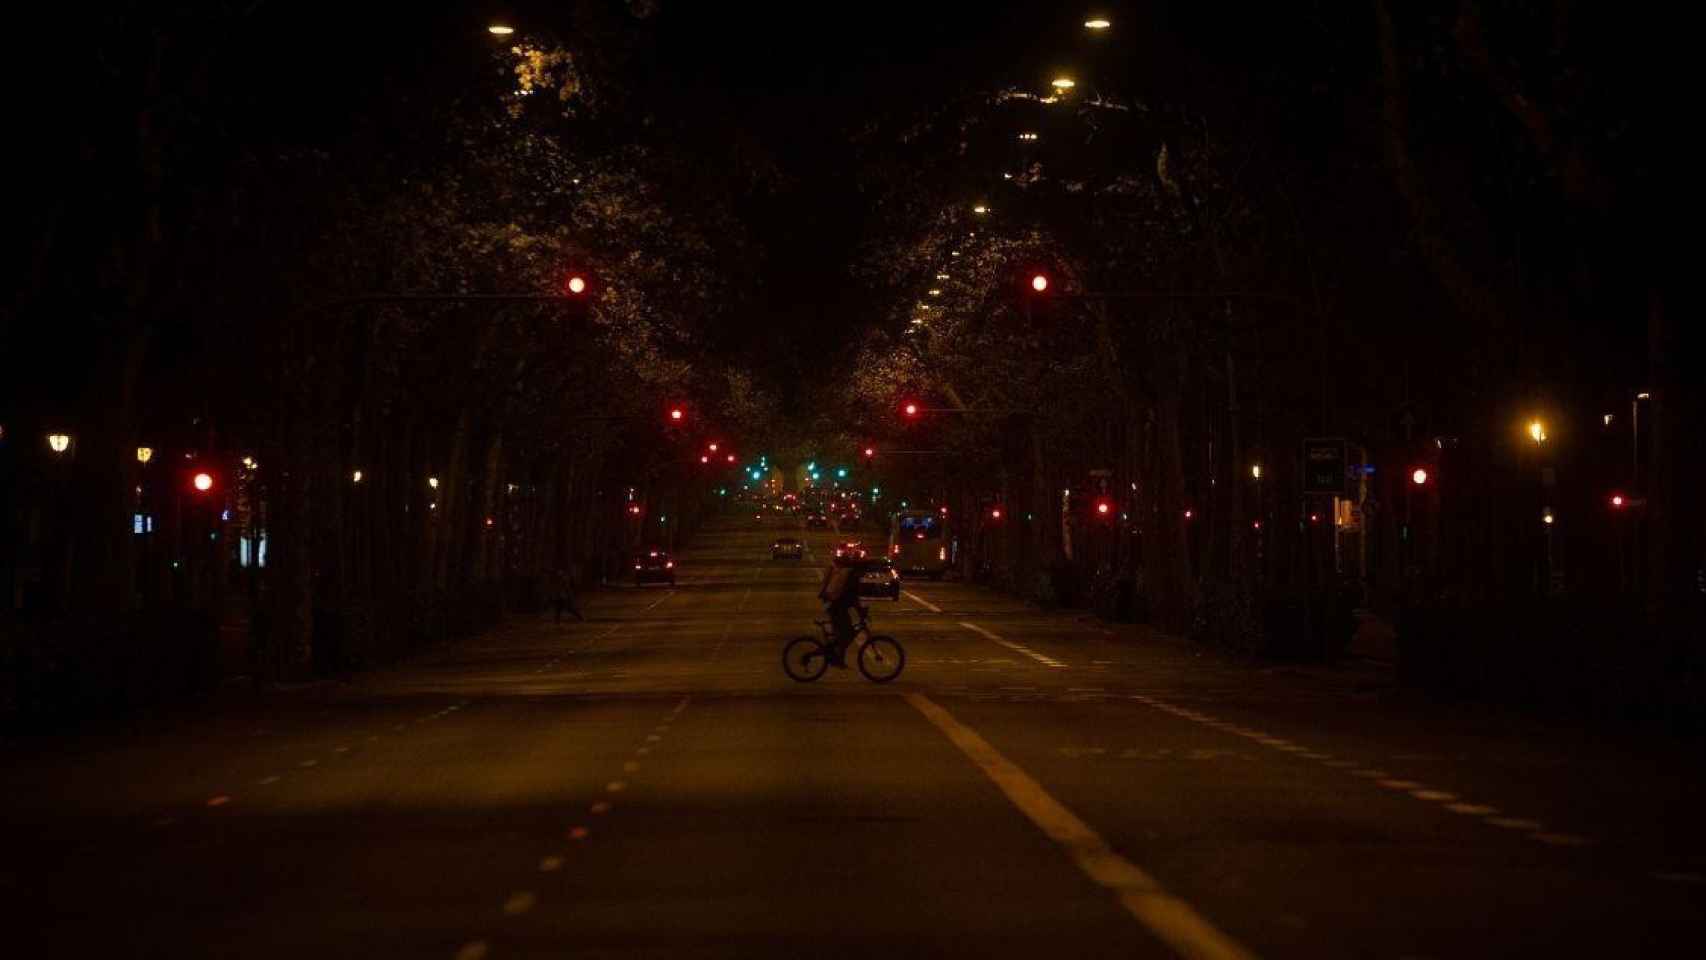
x=841, y=471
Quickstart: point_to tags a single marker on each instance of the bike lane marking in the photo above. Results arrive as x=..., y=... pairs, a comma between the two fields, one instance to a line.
x=1043, y=659
x=1171, y=919
x=915, y=598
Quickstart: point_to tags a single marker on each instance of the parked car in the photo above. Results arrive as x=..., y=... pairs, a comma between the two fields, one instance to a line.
x=654, y=566
x=879, y=578
x=787, y=548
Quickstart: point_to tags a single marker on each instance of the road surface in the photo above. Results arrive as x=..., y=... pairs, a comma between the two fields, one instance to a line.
x=649, y=783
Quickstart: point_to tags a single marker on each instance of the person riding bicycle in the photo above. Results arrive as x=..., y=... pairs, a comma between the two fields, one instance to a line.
x=840, y=595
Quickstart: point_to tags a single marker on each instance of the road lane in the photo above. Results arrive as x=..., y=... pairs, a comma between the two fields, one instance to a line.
x=649, y=783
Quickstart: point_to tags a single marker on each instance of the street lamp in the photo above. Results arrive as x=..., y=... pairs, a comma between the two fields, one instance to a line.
x=144, y=454
x=355, y=477
x=1098, y=23
x=1063, y=84
x=58, y=442
x=980, y=209
x=500, y=30
x=1255, y=471
x=432, y=482
x=1028, y=136
x=1537, y=432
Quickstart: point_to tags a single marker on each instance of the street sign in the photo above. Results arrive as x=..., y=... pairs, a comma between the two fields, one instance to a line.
x=1324, y=466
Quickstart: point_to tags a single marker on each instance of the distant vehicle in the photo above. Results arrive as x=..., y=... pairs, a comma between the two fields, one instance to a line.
x=917, y=543
x=851, y=549
x=654, y=566
x=879, y=578
x=787, y=548
x=817, y=520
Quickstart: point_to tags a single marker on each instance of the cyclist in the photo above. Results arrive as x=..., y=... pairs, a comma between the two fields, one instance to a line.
x=840, y=595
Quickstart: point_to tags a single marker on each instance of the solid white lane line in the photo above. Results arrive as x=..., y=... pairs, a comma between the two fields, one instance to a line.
x=1168, y=917
x=1043, y=659
x=915, y=598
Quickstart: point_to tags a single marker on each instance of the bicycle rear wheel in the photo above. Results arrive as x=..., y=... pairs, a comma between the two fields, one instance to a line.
x=804, y=659
x=881, y=659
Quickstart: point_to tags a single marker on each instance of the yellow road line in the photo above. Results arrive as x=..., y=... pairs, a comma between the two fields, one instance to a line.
x=1171, y=919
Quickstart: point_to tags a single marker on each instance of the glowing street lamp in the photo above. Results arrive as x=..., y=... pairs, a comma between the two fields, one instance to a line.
x=144, y=454
x=355, y=477
x=432, y=482
x=980, y=209
x=1063, y=84
x=1537, y=432
x=500, y=30
x=1098, y=23
x=1255, y=471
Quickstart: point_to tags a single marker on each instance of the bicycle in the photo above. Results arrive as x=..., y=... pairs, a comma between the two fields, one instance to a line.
x=881, y=658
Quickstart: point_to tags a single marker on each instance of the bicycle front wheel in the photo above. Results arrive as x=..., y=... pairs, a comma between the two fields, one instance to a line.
x=881, y=659
x=804, y=659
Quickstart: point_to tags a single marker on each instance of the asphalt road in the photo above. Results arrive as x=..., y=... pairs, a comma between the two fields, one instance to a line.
x=649, y=783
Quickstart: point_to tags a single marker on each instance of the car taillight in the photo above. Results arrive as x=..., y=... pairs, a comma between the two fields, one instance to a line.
x=669, y=564
x=636, y=566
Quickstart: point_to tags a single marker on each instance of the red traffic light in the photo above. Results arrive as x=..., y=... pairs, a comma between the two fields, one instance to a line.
x=202, y=482
x=994, y=513
x=1617, y=501
x=634, y=509
x=1419, y=477
x=675, y=413
x=911, y=409
x=712, y=448
x=1039, y=283
x=1104, y=507
x=576, y=284
x=731, y=458
x=870, y=452
x=704, y=459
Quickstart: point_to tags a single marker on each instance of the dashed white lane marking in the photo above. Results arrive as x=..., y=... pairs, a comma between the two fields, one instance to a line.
x=550, y=864
x=659, y=600
x=1043, y=659
x=520, y=902
x=915, y=598
x=1450, y=801
x=1170, y=918
x=1517, y=823
x=473, y=950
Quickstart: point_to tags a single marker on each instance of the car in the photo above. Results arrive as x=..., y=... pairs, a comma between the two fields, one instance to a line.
x=851, y=549
x=654, y=566
x=789, y=548
x=817, y=520
x=879, y=578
